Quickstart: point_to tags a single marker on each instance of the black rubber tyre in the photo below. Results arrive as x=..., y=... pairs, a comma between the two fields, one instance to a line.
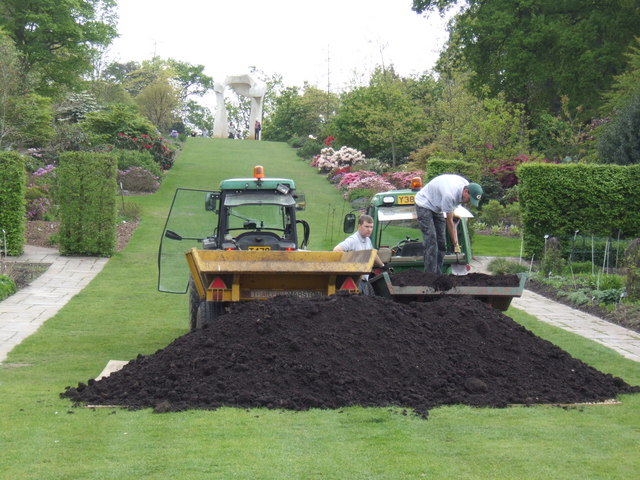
x=208, y=312
x=194, y=304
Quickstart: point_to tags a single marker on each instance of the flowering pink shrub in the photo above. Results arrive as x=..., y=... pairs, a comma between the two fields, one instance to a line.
x=402, y=180
x=336, y=175
x=40, y=189
x=375, y=183
x=362, y=180
x=352, y=177
x=163, y=155
x=505, y=172
x=38, y=208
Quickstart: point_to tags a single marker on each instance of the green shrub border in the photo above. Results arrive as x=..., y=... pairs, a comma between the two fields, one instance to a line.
x=558, y=200
x=7, y=287
x=12, y=198
x=87, y=194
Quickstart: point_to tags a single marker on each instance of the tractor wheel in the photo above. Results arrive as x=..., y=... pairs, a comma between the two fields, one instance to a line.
x=208, y=312
x=194, y=304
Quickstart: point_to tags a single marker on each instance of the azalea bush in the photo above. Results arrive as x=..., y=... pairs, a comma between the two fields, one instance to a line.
x=136, y=158
x=162, y=153
x=40, y=193
x=330, y=159
x=363, y=179
x=402, y=180
x=356, y=183
x=137, y=179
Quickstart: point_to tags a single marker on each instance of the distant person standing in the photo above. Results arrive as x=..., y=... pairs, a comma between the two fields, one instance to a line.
x=435, y=204
x=258, y=127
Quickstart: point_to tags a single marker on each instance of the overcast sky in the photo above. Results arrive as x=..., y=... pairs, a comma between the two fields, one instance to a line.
x=335, y=41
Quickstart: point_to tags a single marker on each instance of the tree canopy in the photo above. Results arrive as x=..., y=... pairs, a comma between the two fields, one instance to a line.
x=536, y=51
x=59, y=39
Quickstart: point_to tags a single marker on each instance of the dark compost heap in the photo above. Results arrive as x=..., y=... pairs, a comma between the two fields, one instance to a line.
x=332, y=352
x=443, y=283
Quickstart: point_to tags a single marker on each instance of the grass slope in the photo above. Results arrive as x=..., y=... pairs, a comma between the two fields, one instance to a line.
x=120, y=315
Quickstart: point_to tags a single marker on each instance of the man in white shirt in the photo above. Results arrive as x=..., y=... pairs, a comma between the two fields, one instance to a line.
x=360, y=240
x=436, y=199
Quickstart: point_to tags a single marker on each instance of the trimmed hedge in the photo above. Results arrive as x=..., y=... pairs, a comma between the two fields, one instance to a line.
x=87, y=195
x=435, y=167
x=12, y=198
x=557, y=200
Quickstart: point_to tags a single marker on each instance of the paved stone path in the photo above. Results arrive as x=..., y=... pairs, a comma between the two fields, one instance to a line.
x=624, y=341
x=22, y=313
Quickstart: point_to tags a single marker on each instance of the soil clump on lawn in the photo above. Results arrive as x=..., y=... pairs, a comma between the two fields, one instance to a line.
x=346, y=350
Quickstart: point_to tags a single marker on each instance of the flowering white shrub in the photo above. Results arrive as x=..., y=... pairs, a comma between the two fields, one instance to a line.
x=329, y=159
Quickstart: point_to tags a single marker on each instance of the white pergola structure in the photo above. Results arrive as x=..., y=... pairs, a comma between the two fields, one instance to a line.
x=246, y=86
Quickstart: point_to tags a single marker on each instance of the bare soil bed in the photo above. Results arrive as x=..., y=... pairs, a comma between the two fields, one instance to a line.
x=339, y=351
x=38, y=233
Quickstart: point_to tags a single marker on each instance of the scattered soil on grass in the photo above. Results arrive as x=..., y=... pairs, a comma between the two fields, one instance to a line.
x=338, y=351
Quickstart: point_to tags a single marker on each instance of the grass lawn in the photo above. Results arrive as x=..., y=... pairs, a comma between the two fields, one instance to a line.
x=120, y=315
x=495, y=246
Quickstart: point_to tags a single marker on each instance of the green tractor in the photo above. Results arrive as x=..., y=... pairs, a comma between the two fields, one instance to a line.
x=397, y=236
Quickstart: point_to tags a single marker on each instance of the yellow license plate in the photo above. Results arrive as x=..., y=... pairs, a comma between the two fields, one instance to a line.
x=406, y=199
x=259, y=248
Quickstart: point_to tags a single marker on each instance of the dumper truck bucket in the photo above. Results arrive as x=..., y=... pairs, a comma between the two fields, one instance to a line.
x=239, y=275
x=497, y=296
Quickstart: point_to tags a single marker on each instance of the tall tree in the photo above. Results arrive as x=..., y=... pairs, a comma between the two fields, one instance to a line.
x=382, y=120
x=619, y=139
x=536, y=51
x=300, y=115
x=627, y=84
x=59, y=38
x=191, y=79
x=159, y=102
x=9, y=84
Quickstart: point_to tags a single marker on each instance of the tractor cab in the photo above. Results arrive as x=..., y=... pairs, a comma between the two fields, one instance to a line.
x=253, y=213
x=397, y=236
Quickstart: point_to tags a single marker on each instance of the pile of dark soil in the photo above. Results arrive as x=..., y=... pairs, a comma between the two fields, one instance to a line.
x=338, y=351
x=443, y=283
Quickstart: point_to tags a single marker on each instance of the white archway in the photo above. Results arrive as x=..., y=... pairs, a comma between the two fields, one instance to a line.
x=246, y=86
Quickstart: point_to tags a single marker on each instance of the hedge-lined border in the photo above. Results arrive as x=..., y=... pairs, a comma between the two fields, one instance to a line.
x=12, y=202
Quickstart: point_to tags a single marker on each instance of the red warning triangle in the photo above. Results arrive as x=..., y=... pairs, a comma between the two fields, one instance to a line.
x=218, y=283
x=348, y=284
